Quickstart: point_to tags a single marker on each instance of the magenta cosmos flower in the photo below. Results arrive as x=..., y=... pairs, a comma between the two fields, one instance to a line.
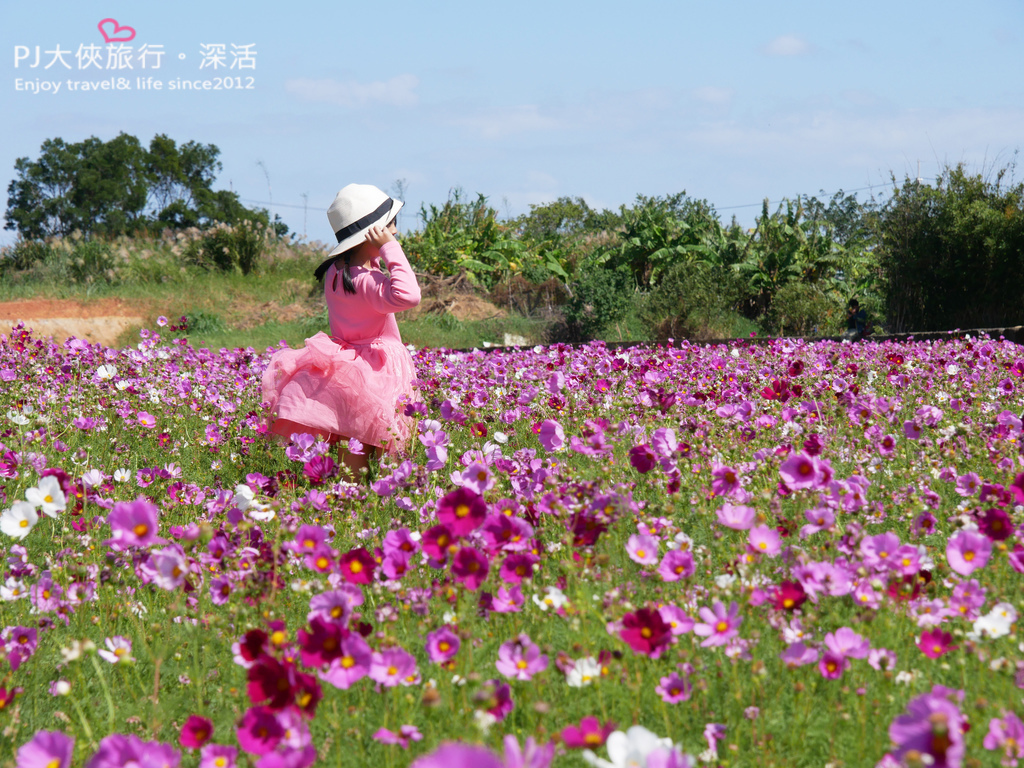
x=1006, y=735
x=932, y=726
x=521, y=659
x=589, y=734
x=352, y=665
x=968, y=551
x=935, y=643
x=645, y=631
x=133, y=524
x=674, y=688
x=195, y=732
x=551, y=435
x=676, y=564
x=47, y=749
x=442, y=645
x=393, y=666
x=719, y=625
x=117, y=750
x=800, y=471
x=470, y=567
x=463, y=511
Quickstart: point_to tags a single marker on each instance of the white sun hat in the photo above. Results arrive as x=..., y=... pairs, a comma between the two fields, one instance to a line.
x=355, y=209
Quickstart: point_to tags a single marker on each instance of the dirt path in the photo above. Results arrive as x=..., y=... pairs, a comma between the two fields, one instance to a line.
x=101, y=321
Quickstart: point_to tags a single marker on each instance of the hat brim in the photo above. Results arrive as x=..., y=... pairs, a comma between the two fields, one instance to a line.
x=355, y=239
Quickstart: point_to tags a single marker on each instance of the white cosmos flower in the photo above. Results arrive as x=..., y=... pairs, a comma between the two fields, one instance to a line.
x=47, y=495
x=629, y=749
x=106, y=372
x=118, y=650
x=995, y=623
x=243, y=496
x=13, y=589
x=17, y=418
x=92, y=478
x=583, y=672
x=18, y=521
x=553, y=598
x=122, y=475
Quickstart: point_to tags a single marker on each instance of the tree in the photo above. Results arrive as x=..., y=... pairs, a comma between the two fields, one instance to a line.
x=118, y=186
x=952, y=254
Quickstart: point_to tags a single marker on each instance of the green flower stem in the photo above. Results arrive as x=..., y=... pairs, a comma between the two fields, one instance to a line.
x=106, y=691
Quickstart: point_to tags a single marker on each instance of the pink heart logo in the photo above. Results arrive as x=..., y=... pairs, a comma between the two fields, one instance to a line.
x=117, y=34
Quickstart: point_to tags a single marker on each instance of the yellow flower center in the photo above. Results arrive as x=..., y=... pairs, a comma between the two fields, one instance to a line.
x=462, y=510
x=641, y=553
x=722, y=626
x=23, y=523
x=355, y=566
x=48, y=499
x=141, y=529
x=968, y=556
x=521, y=664
x=347, y=662
x=392, y=670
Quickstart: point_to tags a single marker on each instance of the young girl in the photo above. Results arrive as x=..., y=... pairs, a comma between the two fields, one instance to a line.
x=347, y=385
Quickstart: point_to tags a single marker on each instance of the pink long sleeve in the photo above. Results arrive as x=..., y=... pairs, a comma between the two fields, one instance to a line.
x=369, y=313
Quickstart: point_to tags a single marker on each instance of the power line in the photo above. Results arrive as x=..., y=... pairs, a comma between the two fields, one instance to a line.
x=717, y=208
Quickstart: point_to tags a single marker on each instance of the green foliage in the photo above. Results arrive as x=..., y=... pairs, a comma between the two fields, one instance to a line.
x=952, y=254
x=202, y=323
x=225, y=248
x=117, y=187
x=692, y=301
x=599, y=298
x=805, y=309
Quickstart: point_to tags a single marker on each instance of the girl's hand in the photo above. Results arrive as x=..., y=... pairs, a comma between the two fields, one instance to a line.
x=379, y=235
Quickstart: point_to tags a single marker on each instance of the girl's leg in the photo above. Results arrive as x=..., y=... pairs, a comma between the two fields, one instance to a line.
x=354, y=467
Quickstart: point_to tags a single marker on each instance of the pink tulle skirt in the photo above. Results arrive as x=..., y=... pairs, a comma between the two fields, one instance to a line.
x=333, y=389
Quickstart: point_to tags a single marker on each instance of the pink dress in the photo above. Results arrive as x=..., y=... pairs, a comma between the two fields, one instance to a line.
x=349, y=383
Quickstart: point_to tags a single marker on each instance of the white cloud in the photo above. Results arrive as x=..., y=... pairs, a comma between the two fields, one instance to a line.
x=787, y=45
x=499, y=122
x=399, y=91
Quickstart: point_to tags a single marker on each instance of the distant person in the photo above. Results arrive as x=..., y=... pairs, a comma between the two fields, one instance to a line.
x=856, y=321
x=348, y=384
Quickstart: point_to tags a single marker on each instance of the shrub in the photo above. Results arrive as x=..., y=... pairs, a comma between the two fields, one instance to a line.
x=692, y=301
x=599, y=298
x=226, y=248
x=802, y=309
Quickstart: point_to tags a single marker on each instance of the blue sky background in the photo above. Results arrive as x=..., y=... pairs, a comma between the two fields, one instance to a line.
x=730, y=101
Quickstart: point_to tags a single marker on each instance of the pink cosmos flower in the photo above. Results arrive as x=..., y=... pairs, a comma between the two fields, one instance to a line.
x=847, y=643
x=146, y=419
x=679, y=623
x=676, y=564
x=352, y=665
x=218, y=756
x=530, y=755
x=798, y=654
x=1005, y=735
x=477, y=477
x=119, y=649
x=442, y=645
x=551, y=435
x=462, y=510
x=642, y=549
x=968, y=551
x=458, y=756
x=968, y=484
x=521, y=659
x=508, y=600
x=724, y=480
x=764, y=540
x=47, y=749
x=674, y=688
x=117, y=750
x=405, y=734
x=800, y=471
x=133, y=524
x=719, y=625
x=736, y=516
x=393, y=666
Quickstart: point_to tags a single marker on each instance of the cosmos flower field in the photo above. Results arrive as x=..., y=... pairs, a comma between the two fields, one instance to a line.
x=755, y=554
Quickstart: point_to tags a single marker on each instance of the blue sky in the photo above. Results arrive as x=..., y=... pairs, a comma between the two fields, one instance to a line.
x=730, y=101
